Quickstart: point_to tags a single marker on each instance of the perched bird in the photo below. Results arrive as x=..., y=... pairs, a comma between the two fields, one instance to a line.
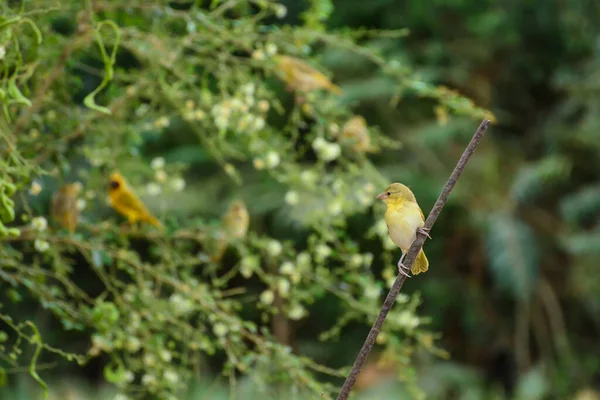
x=355, y=133
x=404, y=219
x=64, y=205
x=125, y=202
x=235, y=224
x=302, y=77
x=236, y=220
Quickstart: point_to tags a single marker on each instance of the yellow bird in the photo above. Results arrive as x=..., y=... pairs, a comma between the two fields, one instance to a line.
x=126, y=203
x=64, y=205
x=303, y=77
x=235, y=223
x=404, y=219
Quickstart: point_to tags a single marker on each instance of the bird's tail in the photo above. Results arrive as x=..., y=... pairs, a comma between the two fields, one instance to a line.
x=421, y=264
x=153, y=221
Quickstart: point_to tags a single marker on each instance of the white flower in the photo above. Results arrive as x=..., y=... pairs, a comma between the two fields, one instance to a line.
x=81, y=204
x=129, y=376
x=258, y=54
x=283, y=287
x=258, y=163
x=263, y=105
x=171, y=376
x=248, y=88
x=335, y=207
x=303, y=259
x=334, y=128
x=236, y=104
x=271, y=49
x=153, y=189
x=220, y=329
x=280, y=11
x=181, y=305
x=39, y=224
x=267, y=296
x=274, y=248
x=287, y=268
x=272, y=159
x=178, y=184
x=296, y=312
x=322, y=251
x=148, y=380
x=41, y=245
x=308, y=176
x=222, y=122
x=133, y=344
x=319, y=143
x=372, y=292
x=35, y=189
x=367, y=259
x=2, y=52
x=157, y=163
x=166, y=355
x=162, y=122
x=160, y=175
x=149, y=360
x=292, y=198
x=245, y=122
x=330, y=152
x=408, y=320
x=259, y=123
x=356, y=260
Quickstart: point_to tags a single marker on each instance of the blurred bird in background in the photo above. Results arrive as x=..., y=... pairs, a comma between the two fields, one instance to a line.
x=235, y=223
x=356, y=135
x=124, y=201
x=302, y=77
x=64, y=209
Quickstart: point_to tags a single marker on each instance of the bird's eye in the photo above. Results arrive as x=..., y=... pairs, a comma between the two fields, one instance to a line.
x=389, y=193
x=113, y=184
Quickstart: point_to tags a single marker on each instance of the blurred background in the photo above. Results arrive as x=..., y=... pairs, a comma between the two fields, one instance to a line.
x=259, y=134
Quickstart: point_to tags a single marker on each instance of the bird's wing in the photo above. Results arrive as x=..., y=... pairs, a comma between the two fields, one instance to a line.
x=128, y=201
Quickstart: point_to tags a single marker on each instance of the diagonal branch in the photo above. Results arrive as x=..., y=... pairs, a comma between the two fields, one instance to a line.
x=410, y=258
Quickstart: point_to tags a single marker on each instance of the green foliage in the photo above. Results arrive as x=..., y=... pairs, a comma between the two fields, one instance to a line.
x=186, y=101
x=513, y=252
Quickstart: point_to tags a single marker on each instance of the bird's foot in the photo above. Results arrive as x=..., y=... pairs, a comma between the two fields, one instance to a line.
x=403, y=268
x=424, y=232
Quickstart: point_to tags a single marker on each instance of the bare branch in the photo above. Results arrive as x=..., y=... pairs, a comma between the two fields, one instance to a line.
x=409, y=260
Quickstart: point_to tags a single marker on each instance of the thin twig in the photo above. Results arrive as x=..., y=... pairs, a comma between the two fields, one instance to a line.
x=410, y=258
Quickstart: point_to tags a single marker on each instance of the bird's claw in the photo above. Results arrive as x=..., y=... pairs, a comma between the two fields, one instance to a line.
x=424, y=232
x=402, y=269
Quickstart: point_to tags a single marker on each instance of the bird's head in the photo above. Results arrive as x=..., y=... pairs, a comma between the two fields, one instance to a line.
x=72, y=189
x=396, y=192
x=115, y=182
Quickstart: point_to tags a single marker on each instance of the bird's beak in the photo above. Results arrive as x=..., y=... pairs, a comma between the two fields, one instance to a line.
x=381, y=196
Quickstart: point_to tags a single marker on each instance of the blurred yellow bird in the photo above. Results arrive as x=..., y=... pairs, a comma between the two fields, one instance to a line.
x=404, y=219
x=235, y=223
x=126, y=203
x=64, y=205
x=302, y=77
x=356, y=134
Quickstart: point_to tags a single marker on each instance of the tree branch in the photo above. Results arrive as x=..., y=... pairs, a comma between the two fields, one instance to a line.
x=410, y=258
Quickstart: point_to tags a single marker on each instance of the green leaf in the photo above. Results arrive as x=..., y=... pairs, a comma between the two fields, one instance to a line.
x=533, y=179
x=582, y=204
x=513, y=254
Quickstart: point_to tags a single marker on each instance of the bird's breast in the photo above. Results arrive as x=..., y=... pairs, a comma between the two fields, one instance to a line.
x=403, y=222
